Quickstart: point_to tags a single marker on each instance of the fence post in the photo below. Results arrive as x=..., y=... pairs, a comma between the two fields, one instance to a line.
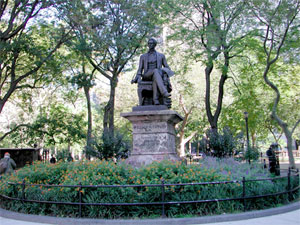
x=163, y=214
x=23, y=191
x=297, y=171
x=244, y=193
x=80, y=199
x=289, y=184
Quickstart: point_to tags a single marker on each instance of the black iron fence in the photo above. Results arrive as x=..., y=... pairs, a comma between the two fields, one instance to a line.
x=289, y=191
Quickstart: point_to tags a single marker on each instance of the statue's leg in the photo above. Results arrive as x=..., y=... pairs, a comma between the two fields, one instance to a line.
x=139, y=91
x=160, y=84
x=155, y=93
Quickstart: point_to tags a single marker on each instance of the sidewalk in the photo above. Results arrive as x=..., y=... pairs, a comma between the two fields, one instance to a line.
x=290, y=218
x=285, y=215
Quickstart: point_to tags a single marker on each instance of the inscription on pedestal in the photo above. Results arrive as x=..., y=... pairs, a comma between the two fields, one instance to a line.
x=153, y=136
x=163, y=142
x=150, y=127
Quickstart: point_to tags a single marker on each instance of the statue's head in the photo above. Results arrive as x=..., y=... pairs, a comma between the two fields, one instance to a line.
x=152, y=43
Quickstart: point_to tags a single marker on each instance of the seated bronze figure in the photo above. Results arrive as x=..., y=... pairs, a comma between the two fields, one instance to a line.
x=153, y=78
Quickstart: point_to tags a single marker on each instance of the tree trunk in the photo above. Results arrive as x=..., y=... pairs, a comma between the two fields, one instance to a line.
x=69, y=147
x=253, y=138
x=213, y=119
x=2, y=103
x=289, y=138
x=108, y=120
x=89, y=131
x=182, y=148
x=183, y=142
x=275, y=117
x=198, y=148
x=210, y=118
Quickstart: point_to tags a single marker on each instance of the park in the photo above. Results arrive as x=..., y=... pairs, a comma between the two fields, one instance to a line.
x=145, y=109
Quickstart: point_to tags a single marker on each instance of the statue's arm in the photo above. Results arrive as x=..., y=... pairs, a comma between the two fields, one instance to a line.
x=139, y=73
x=164, y=62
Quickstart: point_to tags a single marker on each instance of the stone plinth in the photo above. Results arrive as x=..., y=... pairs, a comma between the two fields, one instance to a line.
x=153, y=136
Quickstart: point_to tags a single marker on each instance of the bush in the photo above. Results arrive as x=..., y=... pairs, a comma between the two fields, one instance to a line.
x=108, y=173
x=235, y=169
x=222, y=144
x=62, y=154
x=252, y=153
x=109, y=146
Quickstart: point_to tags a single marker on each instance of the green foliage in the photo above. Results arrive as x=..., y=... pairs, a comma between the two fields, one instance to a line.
x=109, y=34
x=55, y=124
x=83, y=80
x=251, y=94
x=234, y=169
x=223, y=143
x=108, y=173
x=252, y=153
x=109, y=146
x=62, y=154
x=27, y=47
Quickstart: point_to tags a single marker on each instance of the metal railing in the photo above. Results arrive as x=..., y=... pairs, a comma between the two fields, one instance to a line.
x=289, y=190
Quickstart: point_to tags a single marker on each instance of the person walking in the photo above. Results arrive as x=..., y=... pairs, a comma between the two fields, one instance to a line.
x=7, y=164
x=53, y=159
x=272, y=159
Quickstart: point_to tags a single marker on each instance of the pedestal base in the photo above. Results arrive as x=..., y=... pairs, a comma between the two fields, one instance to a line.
x=153, y=136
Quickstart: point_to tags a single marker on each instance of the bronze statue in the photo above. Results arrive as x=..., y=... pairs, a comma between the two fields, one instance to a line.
x=153, y=70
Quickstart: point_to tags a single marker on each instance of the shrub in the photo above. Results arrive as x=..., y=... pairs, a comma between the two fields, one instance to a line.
x=62, y=154
x=109, y=146
x=235, y=169
x=252, y=153
x=222, y=144
x=108, y=173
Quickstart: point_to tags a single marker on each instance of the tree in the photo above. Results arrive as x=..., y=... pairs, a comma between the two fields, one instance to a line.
x=280, y=31
x=53, y=125
x=22, y=53
x=184, y=94
x=111, y=33
x=212, y=33
x=83, y=77
x=250, y=93
x=245, y=94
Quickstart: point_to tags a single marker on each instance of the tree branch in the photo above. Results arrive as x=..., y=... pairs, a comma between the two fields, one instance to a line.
x=19, y=126
x=297, y=123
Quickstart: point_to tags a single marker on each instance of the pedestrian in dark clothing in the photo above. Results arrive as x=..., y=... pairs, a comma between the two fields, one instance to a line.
x=272, y=160
x=70, y=158
x=52, y=160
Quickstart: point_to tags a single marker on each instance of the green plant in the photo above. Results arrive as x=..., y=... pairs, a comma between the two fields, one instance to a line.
x=62, y=154
x=102, y=172
x=108, y=146
x=252, y=153
x=222, y=144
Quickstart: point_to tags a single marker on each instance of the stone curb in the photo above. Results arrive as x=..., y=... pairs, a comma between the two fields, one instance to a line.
x=167, y=221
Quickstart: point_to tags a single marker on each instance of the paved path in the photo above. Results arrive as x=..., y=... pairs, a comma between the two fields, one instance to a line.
x=290, y=218
x=285, y=215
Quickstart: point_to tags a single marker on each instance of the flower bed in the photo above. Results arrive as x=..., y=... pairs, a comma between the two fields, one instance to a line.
x=107, y=173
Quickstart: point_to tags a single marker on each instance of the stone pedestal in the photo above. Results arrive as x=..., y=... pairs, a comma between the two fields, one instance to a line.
x=153, y=135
